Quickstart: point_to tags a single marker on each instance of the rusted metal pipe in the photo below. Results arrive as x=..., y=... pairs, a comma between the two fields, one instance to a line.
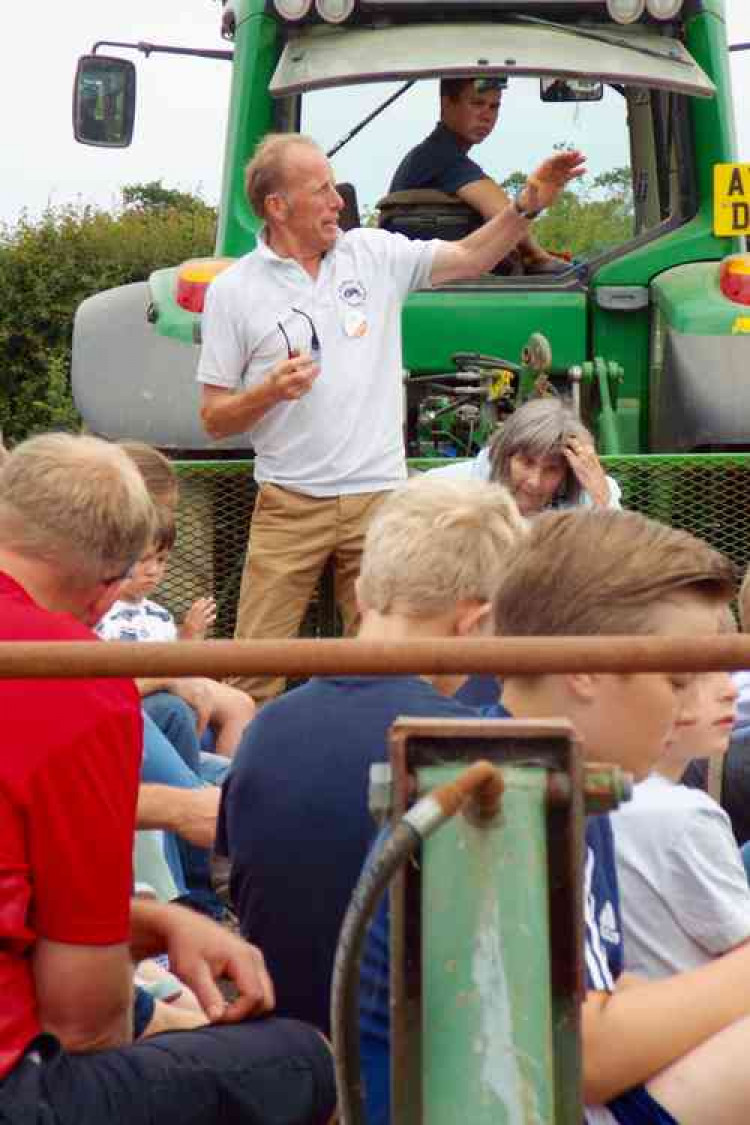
x=481, y=782
x=604, y=788
x=499, y=656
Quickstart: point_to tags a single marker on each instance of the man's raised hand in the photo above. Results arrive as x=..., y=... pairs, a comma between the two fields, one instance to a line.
x=547, y=181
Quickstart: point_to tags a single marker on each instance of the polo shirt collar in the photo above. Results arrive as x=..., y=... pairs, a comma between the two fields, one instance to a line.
x=264, y=250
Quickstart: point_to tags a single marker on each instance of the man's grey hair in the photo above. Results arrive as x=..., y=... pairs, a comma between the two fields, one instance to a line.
x=265, y=172
x=76, y=503
x=436, y=542
x=539, y=428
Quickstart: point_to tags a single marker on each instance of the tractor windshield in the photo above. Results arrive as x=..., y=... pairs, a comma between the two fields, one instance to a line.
x=639, y=175
x=631, y=137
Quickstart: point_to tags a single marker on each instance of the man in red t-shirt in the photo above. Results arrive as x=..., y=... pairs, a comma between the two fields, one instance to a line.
x=74, y=516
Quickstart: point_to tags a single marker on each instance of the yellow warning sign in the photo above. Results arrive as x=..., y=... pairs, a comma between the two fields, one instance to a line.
x=731, y=199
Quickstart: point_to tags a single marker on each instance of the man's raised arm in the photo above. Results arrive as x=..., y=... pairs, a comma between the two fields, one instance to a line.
x=485, y=247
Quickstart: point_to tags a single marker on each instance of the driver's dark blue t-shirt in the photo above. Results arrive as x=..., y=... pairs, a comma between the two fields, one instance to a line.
x=438, y=162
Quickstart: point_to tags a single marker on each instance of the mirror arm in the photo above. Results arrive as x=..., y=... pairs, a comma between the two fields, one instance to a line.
x=157, y=48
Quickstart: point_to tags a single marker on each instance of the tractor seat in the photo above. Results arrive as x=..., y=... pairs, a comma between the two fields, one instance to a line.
x=349, y=213
x=426, y=213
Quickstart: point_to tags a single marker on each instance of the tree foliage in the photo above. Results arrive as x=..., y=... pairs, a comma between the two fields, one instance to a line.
x=589, y=218
x=48, y=266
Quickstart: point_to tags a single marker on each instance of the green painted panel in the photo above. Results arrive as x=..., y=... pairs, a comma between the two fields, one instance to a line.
x=170, y=319
x=256, y=50
x=437, y=323
x=692, y=303
x=487, y=1016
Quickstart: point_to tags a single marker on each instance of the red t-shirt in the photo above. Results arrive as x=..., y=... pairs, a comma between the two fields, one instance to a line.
x=69, y=771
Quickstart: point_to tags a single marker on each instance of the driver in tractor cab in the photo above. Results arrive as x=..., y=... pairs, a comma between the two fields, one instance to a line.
x=468, y=114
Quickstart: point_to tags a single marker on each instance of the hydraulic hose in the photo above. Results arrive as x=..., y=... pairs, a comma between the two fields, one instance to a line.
x=481, y=781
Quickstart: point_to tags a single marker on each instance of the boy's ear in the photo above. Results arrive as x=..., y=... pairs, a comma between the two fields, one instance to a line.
x=470, y=617
x=583, y=686
x=100, y=601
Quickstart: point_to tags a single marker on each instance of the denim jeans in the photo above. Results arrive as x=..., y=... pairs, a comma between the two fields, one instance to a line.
x=166, y=717
x=264, y=1072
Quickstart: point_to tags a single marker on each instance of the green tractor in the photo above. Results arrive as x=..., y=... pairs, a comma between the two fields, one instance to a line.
x=647, y=333
x=655, y=325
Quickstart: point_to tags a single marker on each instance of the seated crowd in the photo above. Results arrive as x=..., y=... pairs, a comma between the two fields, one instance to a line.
x=94, y=768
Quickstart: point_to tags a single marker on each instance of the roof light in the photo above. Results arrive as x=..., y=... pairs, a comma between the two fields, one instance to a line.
x=734, y=278
x=663, y=9
x=625, y=11
x=293, y=10
x=334, y=11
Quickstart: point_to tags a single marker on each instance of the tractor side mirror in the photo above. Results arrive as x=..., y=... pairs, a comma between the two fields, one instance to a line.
x=570, y=90
x=104, y=101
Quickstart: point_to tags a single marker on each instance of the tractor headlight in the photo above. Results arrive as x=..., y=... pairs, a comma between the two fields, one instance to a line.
x=292, y=10
x=625, y=11
x=663, y=9
x=334, y=11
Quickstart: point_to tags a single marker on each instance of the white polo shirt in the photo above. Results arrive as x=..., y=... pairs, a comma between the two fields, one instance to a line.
x=345, y=435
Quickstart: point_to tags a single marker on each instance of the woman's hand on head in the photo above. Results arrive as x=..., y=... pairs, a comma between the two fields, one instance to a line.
x=583, y=460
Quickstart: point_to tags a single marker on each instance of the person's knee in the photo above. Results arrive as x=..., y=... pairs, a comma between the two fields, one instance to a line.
x=169, y=712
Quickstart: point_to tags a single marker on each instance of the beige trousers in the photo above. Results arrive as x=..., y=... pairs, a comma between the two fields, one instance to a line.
x=291, y=538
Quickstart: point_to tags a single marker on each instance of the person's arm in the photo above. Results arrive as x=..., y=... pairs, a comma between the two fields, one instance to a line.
x=78, y=835
x=630, y=1035
x=225, y=412
x=489, y=199
x=200, y=952
x=584, y=461
x=84, y=994
x=485, y=247
x=190, y=813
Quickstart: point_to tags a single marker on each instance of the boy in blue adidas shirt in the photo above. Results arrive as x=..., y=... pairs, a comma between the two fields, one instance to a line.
x=654, y=1052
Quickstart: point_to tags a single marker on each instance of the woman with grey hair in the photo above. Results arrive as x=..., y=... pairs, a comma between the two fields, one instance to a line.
x=546, y=457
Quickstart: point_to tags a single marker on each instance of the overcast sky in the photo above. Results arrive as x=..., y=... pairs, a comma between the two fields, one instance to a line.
x=181, y=105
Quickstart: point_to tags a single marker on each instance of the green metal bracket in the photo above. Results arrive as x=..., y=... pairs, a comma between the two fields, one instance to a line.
x=606, y=376
x=486, y=933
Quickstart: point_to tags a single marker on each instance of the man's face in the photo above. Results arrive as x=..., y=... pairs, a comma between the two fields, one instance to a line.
x=471, y=116
x=631, y=718
x=312, y=202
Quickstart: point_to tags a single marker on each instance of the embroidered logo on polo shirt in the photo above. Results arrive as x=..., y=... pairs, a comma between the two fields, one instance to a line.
x=353, y=292
x=608, y=924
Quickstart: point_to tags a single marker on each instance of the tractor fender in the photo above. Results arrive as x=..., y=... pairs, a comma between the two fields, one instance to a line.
x=700, y=362
x=129, y=381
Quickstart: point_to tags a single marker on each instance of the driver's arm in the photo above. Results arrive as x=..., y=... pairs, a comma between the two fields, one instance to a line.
x=484, y=248
x=489, y=198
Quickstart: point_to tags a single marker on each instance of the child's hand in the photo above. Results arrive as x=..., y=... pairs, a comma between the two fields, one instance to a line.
x=198, y=620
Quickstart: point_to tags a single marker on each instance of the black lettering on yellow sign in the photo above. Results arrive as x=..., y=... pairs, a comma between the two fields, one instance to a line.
x=740, y=216
x=735, y=183
x=731, y=200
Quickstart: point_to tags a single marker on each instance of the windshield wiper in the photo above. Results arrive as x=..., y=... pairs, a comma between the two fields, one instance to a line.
x=370, y=117
x=603, y=37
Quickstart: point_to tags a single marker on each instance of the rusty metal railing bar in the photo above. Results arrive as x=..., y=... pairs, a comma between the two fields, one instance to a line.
x=336, y=657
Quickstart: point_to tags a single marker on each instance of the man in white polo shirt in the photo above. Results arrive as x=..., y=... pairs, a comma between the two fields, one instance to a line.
x=302, y=350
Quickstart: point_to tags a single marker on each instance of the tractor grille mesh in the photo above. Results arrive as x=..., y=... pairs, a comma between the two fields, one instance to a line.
x=708, y=495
